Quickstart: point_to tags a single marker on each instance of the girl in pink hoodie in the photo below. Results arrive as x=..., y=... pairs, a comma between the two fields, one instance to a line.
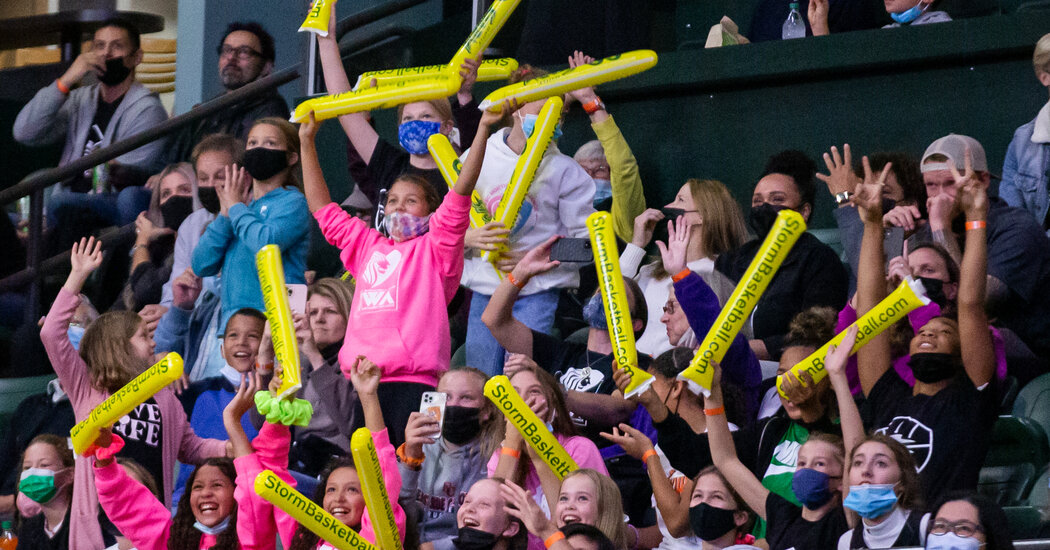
x=339, y=491
x=112, y=351
x=404, y=282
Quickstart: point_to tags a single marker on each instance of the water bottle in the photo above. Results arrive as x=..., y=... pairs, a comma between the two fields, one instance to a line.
x=8, y=539
x=794, y=26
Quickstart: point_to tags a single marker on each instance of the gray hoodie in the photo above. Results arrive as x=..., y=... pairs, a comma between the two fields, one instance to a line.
x=434, y=493
x=52, y=116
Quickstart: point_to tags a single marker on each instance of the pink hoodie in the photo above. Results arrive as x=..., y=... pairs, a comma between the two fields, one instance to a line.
x=398, y=318
x=134, y=510
x=259, y=522
x=179, y=441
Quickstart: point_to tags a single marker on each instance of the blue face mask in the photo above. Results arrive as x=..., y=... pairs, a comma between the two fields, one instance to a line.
x=528, y=124
x=907, y=16
x=594, y=313
x=413, y=135
x=951, y=541
x=871, y=501
x=76, y=334
x=602, y=195
x=214, y=531
x=811, y=487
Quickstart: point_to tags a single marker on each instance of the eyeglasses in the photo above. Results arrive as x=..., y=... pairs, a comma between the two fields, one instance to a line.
x=242, y=52
x=962, y=528
x=669, y=309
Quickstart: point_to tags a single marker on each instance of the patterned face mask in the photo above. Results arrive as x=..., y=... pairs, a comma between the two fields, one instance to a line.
x=413, y=135
x=402, y=226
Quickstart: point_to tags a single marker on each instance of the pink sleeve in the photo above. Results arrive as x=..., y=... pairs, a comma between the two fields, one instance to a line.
x=271, y=447
x=256, y=529
x=346, y=232
x=133, y=508
x=448, y=225
x=71, y=370
x=392, y=480
x=585, y=453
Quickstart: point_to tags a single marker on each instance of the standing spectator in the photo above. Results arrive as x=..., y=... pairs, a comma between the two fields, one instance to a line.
x=246, y=54
x=1025, y=181
x=89, y=117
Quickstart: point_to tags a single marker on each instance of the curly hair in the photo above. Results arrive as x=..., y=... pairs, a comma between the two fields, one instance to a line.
x=184, y=536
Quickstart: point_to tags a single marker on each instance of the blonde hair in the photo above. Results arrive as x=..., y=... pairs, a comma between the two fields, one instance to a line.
x=187, y=171
x=440, y=105
x=493, y=430
x=723, y=223
x=1041, y=56
x=106, y=350
x=291, y=139
x=340, y=292
x=610, y=506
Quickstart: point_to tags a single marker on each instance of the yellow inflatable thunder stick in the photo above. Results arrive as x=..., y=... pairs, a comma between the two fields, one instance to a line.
x=124, y=400
x=490, y=69
x=317, y=18
x=481, y=36
x=532, y=429
x=275, y=297
x=449, y=165
x=617, y=315
x=525, y=171
x=567, y=80
x=373, y=489
x=307, y=513
x=786, y=231
x=371, y=99
x=905, y=298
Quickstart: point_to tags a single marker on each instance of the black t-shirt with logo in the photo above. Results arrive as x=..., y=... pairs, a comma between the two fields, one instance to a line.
x=103, y=115
x=142, y=431
x=579, y=369
x=947, y=433
x=786, y=530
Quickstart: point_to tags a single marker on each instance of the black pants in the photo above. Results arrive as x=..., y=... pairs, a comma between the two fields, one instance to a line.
x=397, y=400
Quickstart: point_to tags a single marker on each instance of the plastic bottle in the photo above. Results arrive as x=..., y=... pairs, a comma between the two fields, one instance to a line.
x=8, y=539
x=794, y=26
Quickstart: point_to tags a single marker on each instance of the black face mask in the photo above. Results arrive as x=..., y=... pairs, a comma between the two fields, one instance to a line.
x=710, y=523
x=762, y=217
x=115, y=73
x=263, y=164
x=175, y=210
x=934, y=290
x=933, y=367
x=461, y=424
x=473, y=539
x=209, y=198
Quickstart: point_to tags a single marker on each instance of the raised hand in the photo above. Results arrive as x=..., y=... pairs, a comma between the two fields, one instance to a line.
x=674, y=252
x=234, y=189
x=818, y=17
x=244, y=399
x=972, y=191
x=583, y=95
x=517, y=362
x=469, y=71
x=365, y=375
x=868, y=194
x=837, y=356
x=308, y=129
x=898, y=270
x=521, y=505
x=421, y=429
x=634, y=442
x=495, y=119
x=840, y=177
x=644, y=225
x=84, y=258
x=536, y=261
x=487, y=237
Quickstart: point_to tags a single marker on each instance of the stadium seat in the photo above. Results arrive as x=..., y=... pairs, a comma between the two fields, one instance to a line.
x=1018, y=453
x=1023, y=520
x=14, y=390
x=1033, y=402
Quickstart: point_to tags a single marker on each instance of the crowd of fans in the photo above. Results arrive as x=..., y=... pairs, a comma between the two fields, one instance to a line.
x=884, y=452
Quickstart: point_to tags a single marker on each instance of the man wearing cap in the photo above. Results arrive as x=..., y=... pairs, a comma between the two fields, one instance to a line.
x=1018, y=249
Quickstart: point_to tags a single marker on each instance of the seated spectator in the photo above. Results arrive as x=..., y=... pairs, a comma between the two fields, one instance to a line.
x=903, y=12
x=483, y=522
x=582, y=369
x=93, y=116
x=709, y=518
x=716, y=225
x=1024, y=183
x=592, y=498
x=608, y=160
x=438, y=465
x=955, y=394
x=841, y=16
x=811, y=274
x=260, y=204
x=45, y=490
x=246, y=54
x=205, y=400
x=968, y=520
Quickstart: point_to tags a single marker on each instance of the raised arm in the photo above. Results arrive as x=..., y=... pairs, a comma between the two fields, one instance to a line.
x=835, y=363
x=84, y=258
x=242, y=401
x=874, y=359
x=511, y=333
x=362, y=136
x=365, y=375
x=974, y=336
x=314, y=186
x=468, y=175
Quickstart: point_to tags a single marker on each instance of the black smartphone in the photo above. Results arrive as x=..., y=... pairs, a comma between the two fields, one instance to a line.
x=572, y=250
x=893, y=242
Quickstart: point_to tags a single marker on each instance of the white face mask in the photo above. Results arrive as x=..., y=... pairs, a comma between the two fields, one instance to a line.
x=951, y=541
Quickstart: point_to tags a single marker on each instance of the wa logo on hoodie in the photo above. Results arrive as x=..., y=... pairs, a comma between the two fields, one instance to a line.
x=380, y=277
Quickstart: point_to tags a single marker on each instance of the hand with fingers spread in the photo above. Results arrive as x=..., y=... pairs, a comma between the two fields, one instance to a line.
x=519, y=503
x=674, y=252
x=840, y=177
x=517, y=362
x=84, y=258
x=536, y=261
x=644, y=225
x=634, y=442
x=487, y=237
x=867, y=196
x=583, y=95
x=234, y=189
x=905, y=216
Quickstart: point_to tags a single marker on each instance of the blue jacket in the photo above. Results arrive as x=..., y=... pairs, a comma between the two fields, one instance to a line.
x=230, y=243
x=1024, y=183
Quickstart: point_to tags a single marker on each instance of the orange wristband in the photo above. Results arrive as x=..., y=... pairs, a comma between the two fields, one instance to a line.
x=514, y=453
x=649, y=453
x=979, y=224
x=681, y=275
x=61, y=87
x=714, y=412
x=514, y=281
x=558, y=535
x=407, y=460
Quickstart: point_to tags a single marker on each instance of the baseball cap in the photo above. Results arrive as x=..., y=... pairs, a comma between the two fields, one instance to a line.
x=954, y=147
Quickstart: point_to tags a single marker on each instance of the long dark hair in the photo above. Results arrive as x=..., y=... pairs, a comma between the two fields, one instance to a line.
x=184, y=536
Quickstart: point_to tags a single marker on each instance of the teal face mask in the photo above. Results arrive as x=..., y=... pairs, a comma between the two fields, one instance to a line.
x=871, y=500
x=528, y=125
x=38, y=484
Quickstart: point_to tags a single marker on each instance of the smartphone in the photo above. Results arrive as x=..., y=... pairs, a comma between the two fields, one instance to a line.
x=893, y=242
x=577, y=250
x=433, y=404
x=297, y=298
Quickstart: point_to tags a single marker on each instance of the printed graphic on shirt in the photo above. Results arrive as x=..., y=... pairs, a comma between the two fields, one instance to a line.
x=380, y=277
x=785, y=457
x=142, y=424
x=527, y=207
x=582, y=380
x=448, y=502
x=914, y=435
